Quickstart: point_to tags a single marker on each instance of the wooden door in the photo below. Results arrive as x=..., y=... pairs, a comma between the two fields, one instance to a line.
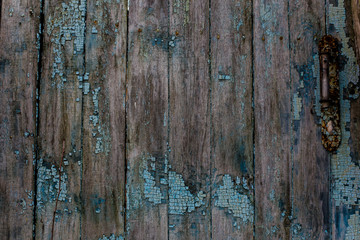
x=175, y=119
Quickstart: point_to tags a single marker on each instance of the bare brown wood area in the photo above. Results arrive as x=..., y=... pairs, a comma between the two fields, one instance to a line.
x=355, y=24
x=272, y=120
x=310, y=193
x=60, y=116
x=19, y=24
x=190, y=216
x=232, y=120
x=147, y=111
x=103, y=175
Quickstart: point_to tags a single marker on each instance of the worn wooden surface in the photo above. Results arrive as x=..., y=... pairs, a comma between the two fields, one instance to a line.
x=147, y=127
x=179, y=120
x=189, y=141
x=232, y=120
x=19, y=24
x=310, y=162
x=272, y=103
x=60, y=120
x=103, y=175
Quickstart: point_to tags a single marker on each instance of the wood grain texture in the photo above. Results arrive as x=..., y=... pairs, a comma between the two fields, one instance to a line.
x=189, y=193
x=355, y=15
x=103, y=178
x=232, y=120
x=60, y=120
x=159, y=109
x=310, y=161
x=272, y=120
x=147, y=128
x=19, y=24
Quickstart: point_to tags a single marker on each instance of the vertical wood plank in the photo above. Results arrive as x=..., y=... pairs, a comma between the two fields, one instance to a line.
x=345, y=170
x=232, y=120
x=355, y=16
x=147, y=127
x=189, y=176
x=19, y=24
x=58, y=192
x=272, y=120
x=311, y=162
x=103, y=177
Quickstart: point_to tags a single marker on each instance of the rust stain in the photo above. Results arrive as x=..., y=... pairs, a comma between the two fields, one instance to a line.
x=330, y=107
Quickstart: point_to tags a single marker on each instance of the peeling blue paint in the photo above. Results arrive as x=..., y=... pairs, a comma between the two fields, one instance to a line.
x=345, y=174
x=239, y=205
x=180, y=198
x=152, y=192
x=68, y=24
x=48, y=184
x=112, y=237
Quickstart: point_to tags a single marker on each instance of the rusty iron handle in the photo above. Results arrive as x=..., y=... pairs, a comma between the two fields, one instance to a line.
x=329, y=93
x=324, y=80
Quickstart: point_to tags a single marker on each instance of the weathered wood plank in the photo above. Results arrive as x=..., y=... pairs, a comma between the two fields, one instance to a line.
x=345, y=170
x=147, y=127
x=310, y=161
x=355, y=16
x=189, y=176
x=103, y=178
x=232, y=120
x=60, y=121
x=19, y=24
x=272, y=120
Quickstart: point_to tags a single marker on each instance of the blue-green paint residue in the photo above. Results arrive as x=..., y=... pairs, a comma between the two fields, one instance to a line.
x=180, y=198
x=67, y=24
x=111, y=237
x=151, y=191
x=237, y=204
x=47, y=184
x=345, y=174
x=172, y=190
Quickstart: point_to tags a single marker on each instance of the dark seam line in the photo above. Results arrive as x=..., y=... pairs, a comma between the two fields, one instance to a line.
x=168, y=121
x=291, y=163
x=253, y=107
x=211, y=117
x=127, y=3
x=37, y=112
x=82, y=127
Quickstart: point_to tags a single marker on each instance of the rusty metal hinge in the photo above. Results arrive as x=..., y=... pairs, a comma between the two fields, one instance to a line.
x=329, y=93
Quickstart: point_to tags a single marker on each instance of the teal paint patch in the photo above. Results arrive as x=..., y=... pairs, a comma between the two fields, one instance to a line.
x=223, y=77
x=297, y=105
x=67, y=24
x=345, y=174
x=112, y=237
x=227, y=196
x=151, y=191
x=180, y=198
x=48, y=184
x=163, y=186
x=353, y=231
